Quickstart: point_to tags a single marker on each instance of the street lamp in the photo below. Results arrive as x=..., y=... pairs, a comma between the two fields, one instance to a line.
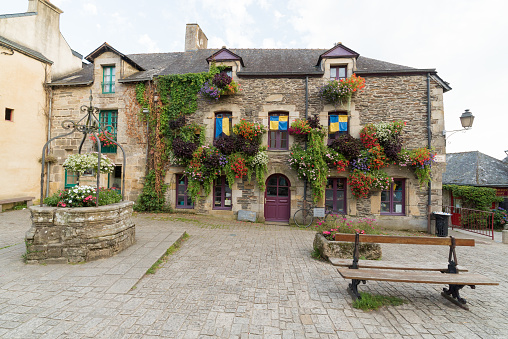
x=466, y=120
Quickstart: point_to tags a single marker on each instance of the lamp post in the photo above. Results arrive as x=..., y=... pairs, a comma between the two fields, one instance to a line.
x=466, y=120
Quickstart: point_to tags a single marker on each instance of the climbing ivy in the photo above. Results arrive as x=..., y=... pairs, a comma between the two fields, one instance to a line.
x=165, y=102
x=480, y=198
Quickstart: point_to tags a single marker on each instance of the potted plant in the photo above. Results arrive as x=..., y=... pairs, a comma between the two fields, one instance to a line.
x=340, y=91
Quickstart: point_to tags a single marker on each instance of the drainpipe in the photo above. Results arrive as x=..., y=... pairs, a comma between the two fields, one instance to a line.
x=49, y=137
x=306, y=114
x=429, y=140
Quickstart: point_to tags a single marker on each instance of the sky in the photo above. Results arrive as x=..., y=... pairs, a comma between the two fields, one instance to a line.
x=464, y=40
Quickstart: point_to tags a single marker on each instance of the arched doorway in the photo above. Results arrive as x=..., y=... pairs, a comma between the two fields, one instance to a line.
x=277, y=198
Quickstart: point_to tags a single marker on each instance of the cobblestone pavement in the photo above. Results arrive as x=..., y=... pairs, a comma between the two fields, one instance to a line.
x=234, y=280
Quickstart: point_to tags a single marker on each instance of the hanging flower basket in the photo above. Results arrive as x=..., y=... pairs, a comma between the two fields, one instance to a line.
x=82, y=162
x=340, y=91
x=221, y=84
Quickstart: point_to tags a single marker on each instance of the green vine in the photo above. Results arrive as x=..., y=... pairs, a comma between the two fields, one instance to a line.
x=480, y=198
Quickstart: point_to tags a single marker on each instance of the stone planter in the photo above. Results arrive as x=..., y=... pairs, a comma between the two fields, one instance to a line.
x=341, y=249
x=79, y=234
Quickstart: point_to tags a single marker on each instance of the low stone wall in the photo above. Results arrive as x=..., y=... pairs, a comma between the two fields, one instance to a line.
x=340, y=249
x=79, y=234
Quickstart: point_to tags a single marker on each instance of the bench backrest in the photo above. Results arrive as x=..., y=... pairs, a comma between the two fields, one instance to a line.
x=394, y=239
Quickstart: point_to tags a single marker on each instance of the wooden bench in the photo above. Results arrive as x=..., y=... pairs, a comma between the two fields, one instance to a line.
x=15, y=200
x=449, y=273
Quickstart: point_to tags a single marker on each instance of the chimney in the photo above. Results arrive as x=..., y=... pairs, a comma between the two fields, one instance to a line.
x=195, y=38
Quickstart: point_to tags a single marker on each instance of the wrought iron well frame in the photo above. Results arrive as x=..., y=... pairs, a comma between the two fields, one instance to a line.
x=91, y=126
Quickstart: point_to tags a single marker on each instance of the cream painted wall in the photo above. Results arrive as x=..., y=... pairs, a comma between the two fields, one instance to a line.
x=22, y=139
x=41, y=32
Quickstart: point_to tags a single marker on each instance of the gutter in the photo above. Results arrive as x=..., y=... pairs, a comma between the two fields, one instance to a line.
x=429, y=142
x=88, y=83
x=306, y=115
x=49, y=138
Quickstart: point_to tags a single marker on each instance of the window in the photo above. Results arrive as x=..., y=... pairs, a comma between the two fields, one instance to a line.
x=223, y=124
x=9, y=112
x=337, y=124
x=182, y=199
x=278, y=133
x=221, y=194
x=393, y=200
x=115, y=179
x=108, y=79
x=338, y=72
x=71, y=179
x=109, y=122
x=335, y=194
x=228, y=71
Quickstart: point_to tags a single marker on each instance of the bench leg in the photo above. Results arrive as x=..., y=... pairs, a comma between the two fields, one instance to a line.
x=353, y=288
x=452, y=294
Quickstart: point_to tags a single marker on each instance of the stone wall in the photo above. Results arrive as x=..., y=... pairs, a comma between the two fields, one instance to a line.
x=385, y=98
x=130, y=134
x=71, y=235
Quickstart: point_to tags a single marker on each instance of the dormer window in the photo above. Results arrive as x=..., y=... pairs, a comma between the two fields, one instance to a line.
x=228, y=71
x=108, y=79
x=338, y=72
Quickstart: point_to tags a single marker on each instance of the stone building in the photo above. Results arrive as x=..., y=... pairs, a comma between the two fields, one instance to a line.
x=32, y=52
x=274, y=82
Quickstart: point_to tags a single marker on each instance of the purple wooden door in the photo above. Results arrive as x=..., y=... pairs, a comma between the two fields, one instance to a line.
x=277, y=198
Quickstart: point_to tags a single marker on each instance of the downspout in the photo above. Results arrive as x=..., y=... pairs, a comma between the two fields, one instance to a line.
x=429, y=139
x=306, y=114
x=49, y=137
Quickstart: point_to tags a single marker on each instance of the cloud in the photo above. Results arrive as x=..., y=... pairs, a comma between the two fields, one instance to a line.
x=278, y=14
x=149, y=45
x=90, y=8
x=271, y=43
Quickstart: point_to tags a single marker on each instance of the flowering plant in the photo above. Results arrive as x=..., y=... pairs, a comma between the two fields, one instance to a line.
x=221, y=84
x=83, y=196
x=368, y=136
x=299, y=127
x=360, y=183
x=103, y=137
x=500, y=217
x=420, y=161
x=260, y=164
x=338, y=91
x=310, y=164
x=209, y=91
x=249, y=130
x=238, y=166
x=335, y=159
x=83, y=162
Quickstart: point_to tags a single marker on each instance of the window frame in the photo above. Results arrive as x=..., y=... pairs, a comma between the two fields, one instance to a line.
x=279, y=135
x=108, y=80
x=186, y=196
x=222, y=114
x=68, y=176
x=109, y=118
x=333, y=136
x=337, y=72
x=335, y=189
x=223, y=187
x=391, y=201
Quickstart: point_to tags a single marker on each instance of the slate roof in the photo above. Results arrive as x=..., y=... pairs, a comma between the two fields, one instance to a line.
x=475, y=169
x=24, y=50
x=258, y=62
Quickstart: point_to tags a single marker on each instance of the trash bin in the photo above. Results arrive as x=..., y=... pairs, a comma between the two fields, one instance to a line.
x=442, y=223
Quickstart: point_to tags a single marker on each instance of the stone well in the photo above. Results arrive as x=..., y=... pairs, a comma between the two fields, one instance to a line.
x=340, y=249
x=79, y=234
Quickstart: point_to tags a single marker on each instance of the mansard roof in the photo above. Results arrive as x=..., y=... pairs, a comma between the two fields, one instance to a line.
x=475, y=169
x=255, y=63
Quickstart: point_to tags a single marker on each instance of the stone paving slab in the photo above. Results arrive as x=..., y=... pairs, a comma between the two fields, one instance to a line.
x=234, y=280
